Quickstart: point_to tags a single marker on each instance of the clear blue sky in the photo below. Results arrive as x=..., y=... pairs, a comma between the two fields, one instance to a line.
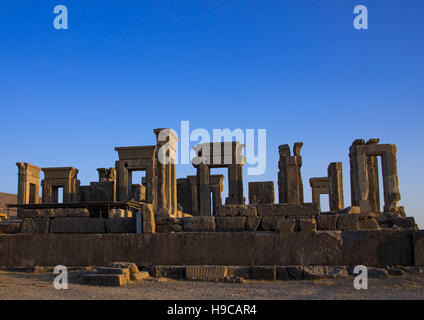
x=296, y=68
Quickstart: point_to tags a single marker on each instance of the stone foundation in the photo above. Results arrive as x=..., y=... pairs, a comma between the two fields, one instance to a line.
x=373, y=248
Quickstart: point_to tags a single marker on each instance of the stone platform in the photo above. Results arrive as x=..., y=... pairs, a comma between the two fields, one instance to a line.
x=372, y=248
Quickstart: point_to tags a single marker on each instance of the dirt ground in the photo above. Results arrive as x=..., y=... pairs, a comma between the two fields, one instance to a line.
x=40, y=287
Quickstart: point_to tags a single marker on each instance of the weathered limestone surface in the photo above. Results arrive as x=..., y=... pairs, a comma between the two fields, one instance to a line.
x=35, y=225
x=261, y=192
x=206, y=273
x=10, y=227
x=377, y=247
x=288, y=210
x=270, y=223
x=308, y=225
x=171, y=272
x=327, y=222
x=262, y=273
x=351, y=210
x=149, y=225
x=335, y=186
x=51, y=213
x=347, y=222
x=290, y=185
x=230, y=223
x=253, y=223
x=168, y=228
x=112, y=280
x=120, y=225
x=298, y=248
x=418, y=238
x=217, y=248
x=79, y=225
x=120, y=213
x=368, y=223
x=111, y=270
x=286, y=225
x=198, y=224
x=231, y=210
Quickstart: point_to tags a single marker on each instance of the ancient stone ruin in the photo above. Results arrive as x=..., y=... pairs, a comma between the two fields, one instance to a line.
x=162, y=220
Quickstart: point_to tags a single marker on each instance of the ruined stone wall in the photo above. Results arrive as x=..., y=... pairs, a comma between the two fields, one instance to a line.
x=371, y=248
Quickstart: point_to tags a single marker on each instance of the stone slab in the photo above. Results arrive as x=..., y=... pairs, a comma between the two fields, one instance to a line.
x=261, y=192
x=308, y=225
x=377, y=248
x=253, y=223
x=218, y=248
x=327, y=222
x=110, y=270
x=368, y=224
x=171, y=272
x=231, y=210
x=418, y=242
x=206, y=273
x=120, y=225
x=288, y=210
x=231, y=224
x=286, y=225
x=262, y=273
x=271, y=223
x=347, y=222
x=77, y=225
x=149, y=224
x=112, y=280
x=169, y=228
x=35, y=225
x=298, y=248
x=199, y=224
x=10, y=227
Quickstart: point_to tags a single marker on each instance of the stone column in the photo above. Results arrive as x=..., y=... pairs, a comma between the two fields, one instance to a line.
x=166, y=141
x=290, y=183
x=359, y=175
x=390, y=179
x=204, y=198
x=335, y=186
x=123, y=191
x=374, y=192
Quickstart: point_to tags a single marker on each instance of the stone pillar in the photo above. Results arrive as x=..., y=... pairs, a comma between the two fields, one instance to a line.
x=358, y=174
x=335, y=186
x=216, y=187
x=374, y=192
x=166, y=141
x=290, y=185
x=390, y=179
x=204, y=198
x=194, y=194
x=28, y=183
x=123, y=188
